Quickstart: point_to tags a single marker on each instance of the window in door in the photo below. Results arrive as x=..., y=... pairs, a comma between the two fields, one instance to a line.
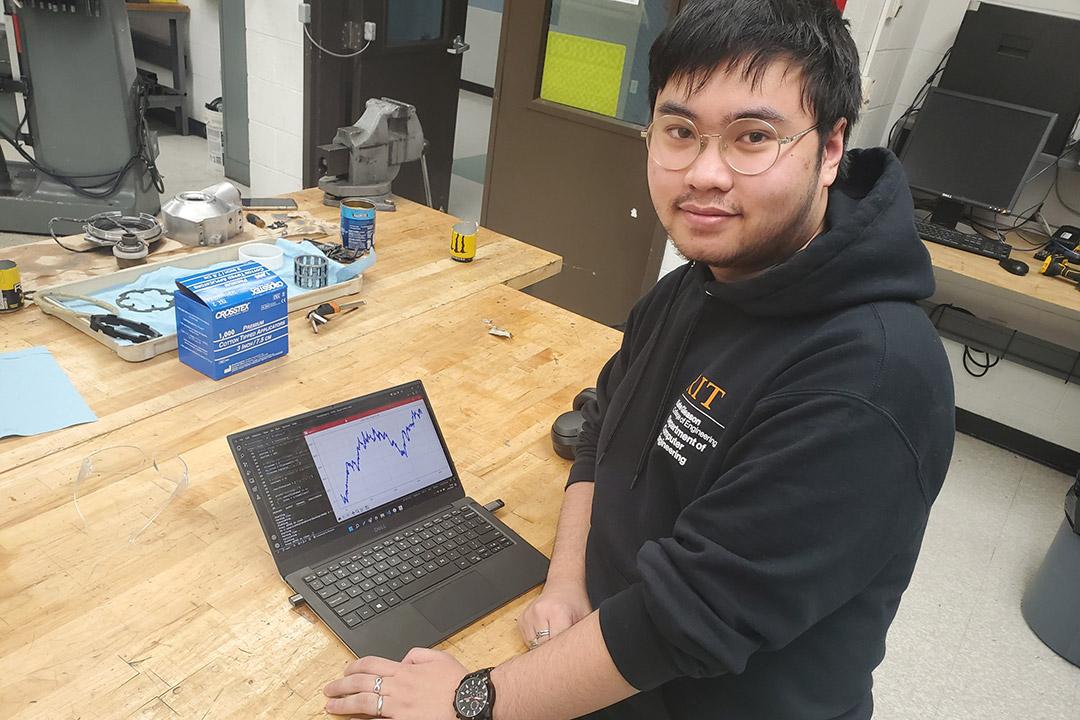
x=596, y=57
x=414, y=21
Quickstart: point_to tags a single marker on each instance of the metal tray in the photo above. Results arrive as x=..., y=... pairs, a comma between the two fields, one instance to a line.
x=145, y=350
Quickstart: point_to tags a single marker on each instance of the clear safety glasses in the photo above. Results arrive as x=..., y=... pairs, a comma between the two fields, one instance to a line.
x=123, y=488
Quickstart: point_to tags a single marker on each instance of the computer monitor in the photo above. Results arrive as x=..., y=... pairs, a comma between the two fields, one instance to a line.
x=972, y=150
x=1021, y=57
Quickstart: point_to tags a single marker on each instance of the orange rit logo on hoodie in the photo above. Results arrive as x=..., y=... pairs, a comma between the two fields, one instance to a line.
x=704, y=391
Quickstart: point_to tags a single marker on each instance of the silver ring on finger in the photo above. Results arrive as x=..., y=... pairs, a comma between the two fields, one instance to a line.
x=542, y=633
x=533, y=644
x=378, y=684
x=378, y=707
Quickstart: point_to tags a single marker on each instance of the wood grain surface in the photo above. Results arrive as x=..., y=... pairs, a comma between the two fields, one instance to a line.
x=191, y=619
x=413, y=274
x=1049, y=294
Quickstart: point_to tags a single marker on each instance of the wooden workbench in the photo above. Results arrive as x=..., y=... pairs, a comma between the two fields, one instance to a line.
x=191, y=620
x=413, y=273
x=1033, y=291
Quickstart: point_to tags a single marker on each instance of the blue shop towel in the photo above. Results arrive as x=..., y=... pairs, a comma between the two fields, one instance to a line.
x=38, y=396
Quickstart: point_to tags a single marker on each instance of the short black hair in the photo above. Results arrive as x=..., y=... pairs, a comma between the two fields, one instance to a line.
x=750, y=35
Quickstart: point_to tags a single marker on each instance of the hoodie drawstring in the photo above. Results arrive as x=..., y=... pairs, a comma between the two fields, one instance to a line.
x=648, y=350
x=659, y=419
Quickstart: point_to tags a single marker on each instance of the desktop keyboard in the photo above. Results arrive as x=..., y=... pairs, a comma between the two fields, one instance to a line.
x=977, y=244
x=383, y=574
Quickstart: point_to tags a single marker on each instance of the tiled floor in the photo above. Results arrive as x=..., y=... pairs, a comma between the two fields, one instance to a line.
x=960, y=648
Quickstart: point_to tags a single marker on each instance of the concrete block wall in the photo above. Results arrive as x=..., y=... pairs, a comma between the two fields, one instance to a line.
x=275, y=58
x=889, y=65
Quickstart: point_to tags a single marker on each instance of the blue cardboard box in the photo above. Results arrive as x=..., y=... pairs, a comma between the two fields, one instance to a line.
x=230, y=319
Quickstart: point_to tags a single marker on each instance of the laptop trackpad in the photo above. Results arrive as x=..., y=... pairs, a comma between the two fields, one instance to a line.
x=458, y=602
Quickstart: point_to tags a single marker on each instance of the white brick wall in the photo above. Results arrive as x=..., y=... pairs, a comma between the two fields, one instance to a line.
x=275, y=55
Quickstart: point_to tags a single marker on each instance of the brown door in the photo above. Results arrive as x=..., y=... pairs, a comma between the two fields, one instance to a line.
x=414, y=58
x=566, y=167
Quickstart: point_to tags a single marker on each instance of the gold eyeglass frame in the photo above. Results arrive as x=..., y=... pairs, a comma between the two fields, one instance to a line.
x=703, y=140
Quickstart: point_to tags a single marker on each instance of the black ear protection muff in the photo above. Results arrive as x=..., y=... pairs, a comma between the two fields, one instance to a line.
x=567, y=427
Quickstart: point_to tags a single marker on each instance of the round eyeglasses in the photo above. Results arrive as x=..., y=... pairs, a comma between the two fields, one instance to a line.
x=749, y=146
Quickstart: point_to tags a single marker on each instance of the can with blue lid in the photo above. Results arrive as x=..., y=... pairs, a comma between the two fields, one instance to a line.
x=357, y=225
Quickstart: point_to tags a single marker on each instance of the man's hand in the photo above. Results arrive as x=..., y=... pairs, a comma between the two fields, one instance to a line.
x=560, y=605
x=420, y=687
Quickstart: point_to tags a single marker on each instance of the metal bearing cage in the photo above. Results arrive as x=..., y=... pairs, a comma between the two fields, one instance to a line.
x=311, y=271
x=106, y=229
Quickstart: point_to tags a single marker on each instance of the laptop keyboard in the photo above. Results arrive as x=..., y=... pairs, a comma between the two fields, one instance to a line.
x=381, y=575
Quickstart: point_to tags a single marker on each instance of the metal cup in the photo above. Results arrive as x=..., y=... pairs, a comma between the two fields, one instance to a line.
x=463, y=241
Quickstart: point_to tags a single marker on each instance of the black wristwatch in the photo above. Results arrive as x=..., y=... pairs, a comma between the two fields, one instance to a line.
x=475, y=696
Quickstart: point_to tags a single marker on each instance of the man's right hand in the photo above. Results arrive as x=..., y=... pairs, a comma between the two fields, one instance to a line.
x=559, y=605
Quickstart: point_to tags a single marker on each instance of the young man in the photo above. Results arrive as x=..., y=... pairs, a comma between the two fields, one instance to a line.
x=753, y=482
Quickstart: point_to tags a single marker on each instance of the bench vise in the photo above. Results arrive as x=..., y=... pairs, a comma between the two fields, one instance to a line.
x=365, y=157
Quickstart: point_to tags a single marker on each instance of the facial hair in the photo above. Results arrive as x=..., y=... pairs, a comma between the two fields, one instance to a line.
x=771, y=245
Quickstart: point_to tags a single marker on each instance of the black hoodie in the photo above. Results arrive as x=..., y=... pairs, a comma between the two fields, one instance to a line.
x=765, y=453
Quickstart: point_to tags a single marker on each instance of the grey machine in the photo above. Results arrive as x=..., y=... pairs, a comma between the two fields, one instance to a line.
x=71, y=110
x=365, y=157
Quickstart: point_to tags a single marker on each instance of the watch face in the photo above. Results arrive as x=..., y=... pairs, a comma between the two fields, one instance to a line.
x=472, y=697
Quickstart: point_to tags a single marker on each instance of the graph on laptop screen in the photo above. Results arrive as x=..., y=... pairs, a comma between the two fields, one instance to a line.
x=372, y=458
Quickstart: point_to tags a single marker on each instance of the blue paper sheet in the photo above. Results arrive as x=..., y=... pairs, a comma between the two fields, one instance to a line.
x=149, y=299
x=38, y=396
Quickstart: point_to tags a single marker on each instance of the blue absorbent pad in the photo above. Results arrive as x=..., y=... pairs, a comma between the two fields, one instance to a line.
x=38, y=396
x=150, y=298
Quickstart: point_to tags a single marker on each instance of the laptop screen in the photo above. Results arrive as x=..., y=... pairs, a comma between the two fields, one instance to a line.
x=348, y=468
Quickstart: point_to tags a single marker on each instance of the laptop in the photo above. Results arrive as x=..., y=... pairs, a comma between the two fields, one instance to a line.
x=366, y=519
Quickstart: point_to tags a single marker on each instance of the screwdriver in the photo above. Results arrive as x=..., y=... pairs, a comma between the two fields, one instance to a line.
x=321, y=315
